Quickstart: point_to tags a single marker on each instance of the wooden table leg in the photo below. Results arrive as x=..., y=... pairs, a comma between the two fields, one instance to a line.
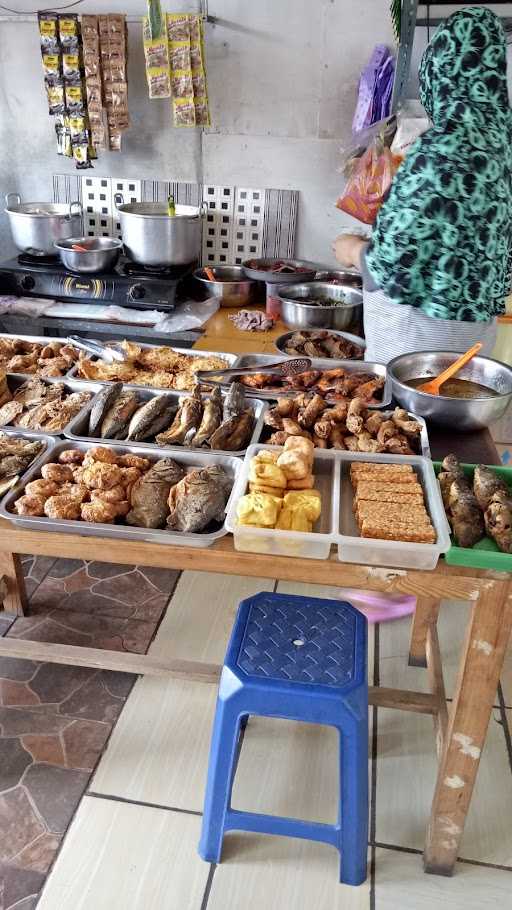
x=15, y=600
x=479, y=672
x=425, y=615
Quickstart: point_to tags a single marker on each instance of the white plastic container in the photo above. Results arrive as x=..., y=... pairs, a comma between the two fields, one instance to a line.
x=394, y=554
x=274, y=542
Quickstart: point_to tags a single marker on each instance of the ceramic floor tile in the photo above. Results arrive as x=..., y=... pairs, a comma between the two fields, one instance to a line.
x=401, y=884
x=126, y=856
x=278, y=873
x=406, y=753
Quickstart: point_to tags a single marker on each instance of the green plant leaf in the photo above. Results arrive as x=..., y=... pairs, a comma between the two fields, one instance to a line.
x=396, y=17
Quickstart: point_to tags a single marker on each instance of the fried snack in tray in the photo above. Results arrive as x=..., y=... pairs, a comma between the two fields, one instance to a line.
x=16, y=454
x=389, y=503
x=346, y=424
x=479, y=508
x=330, y=384
x=322, y=343
x=38, y=406
x=160, y=367
x=54, y=358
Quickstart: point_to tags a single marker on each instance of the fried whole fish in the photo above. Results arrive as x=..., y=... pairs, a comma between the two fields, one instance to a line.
x=188, y=418
x=498, y=519
x=212, y=417
x=118, y=416
x=242, y=433
x=150, y=493
x=485, y=484
x=102, y=405
x=143, y=421
x=199, y=498
x=234, y=402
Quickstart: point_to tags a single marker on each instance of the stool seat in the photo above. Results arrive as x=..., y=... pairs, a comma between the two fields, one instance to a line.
x=304, y=659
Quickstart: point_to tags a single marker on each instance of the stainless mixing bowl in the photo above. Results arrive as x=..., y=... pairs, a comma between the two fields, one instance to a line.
x=233, y=287
x=297, y=314
x=456, y=413
x=100, y=254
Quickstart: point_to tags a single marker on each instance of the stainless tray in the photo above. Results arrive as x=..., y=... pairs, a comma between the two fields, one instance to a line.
x=40, y=339
x=425, y=445
x=15, y=380
x=231, y=465
x=78, y=427
x=231, y=361
x=320, y=363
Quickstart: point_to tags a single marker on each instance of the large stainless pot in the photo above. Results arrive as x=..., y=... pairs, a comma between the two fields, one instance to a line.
x=35, y=226
x=152, y=237
x=457, y=413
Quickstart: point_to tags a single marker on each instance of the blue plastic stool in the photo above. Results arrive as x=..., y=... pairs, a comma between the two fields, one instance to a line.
x=299, y=658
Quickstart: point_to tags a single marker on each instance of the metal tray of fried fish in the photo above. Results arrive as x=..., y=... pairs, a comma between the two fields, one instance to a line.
x=78, y=428
x=15, y=380
x=230, y=463
x=350, y=366
x=48, y=443
x=231, y=360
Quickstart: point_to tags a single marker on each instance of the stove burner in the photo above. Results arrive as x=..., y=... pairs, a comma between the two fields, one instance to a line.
x=170, y=272
x=39, y=259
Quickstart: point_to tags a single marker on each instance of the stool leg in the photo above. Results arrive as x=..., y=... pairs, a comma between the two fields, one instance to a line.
x=353, y=816
x=244, y=720
x=221, y=771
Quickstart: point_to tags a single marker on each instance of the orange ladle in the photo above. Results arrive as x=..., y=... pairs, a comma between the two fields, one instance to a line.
x=432, y=387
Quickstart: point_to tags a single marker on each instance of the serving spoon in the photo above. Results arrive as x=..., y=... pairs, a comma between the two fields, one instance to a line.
x=432, y=387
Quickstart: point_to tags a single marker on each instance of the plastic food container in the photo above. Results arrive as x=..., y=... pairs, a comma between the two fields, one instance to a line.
x=274, y=542
x=78, y=428
x=394, y=554
x=191, y=460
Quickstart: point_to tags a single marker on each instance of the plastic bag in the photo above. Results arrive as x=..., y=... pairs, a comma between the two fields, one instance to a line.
x=368, y=182
x=412, y=121
x=189, y=315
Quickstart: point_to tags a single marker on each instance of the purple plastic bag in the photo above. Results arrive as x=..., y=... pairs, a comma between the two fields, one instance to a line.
x=375, y=86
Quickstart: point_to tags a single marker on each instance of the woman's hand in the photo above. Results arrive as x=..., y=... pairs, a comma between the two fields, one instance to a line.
x=348, y=248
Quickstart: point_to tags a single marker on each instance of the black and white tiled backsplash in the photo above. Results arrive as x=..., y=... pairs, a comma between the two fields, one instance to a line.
x=240, y=222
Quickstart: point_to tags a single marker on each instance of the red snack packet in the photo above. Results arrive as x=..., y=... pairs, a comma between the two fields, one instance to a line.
x=368, y=183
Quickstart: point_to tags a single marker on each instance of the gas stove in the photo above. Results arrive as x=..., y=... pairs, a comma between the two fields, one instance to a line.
x=129, y=284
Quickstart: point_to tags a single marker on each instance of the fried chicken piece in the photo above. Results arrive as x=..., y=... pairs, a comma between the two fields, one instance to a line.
x=68, y=353
x=366, y=443
x=22, y=363
x=273, y=419
x=355, y=417
x=134, y=461
x=352, y=444
x=102, y=454
x=130, y=475
x=71, y=456
x=59, y=473
x=99, y=512
x=62, y=506
x=30, y=505
x=56, y=367
x=278, y=439
x=337, y=437
x=322, y=429
x=398, y=445
x=43, y=488
x=386, y=431
x=310, y=414
x=368, y=390
x=114, y=495
x=319, y=442
x=373, y=422
x=101, y=476
x=303, y=380
x=405, y=424
x=285, y=407
x=337, y=414
x=257, y=380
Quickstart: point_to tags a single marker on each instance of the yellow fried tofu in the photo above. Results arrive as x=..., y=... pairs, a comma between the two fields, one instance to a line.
x=293, y=520
x=261, y=488
x=307, y=501
x=268, y=475
x=266, y=457
x=295, y=464
x=305, y=483
x=301, y=444
x=258, y=509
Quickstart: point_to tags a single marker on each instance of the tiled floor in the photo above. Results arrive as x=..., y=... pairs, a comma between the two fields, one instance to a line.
x=56, y=720
x=132, y=842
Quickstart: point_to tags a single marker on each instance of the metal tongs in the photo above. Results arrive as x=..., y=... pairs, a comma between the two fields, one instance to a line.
x=103, y=351
x=283, y=368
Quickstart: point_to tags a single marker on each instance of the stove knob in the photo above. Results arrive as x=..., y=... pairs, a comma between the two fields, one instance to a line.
x=27, y=283
x=137, y=292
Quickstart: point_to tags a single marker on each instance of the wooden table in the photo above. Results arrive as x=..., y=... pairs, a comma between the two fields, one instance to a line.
x=461, y=730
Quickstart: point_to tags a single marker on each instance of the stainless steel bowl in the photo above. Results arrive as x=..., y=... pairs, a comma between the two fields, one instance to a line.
x=457, y=413
x=349, y=277
x=297, y=314
x=100, y=254
x=233, y=288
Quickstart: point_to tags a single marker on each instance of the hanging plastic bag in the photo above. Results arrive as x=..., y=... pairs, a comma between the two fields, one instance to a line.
x=368, y=182
x=412, y=121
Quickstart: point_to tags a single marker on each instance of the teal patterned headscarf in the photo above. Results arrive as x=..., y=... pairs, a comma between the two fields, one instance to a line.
x=443, y=238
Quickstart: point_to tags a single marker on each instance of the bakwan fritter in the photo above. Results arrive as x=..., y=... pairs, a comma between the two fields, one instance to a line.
x=160, y=367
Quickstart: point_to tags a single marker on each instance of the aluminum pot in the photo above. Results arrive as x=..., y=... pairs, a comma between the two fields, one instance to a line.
x=99, y=254
x=299, y=314
x=153, y=237
x=456, y=413
x=233, y=288
x=35, y=226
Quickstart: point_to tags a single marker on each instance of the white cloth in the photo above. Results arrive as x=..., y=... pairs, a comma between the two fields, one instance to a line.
x=393, y=329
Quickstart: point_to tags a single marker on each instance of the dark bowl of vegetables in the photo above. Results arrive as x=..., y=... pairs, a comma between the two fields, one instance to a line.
x=321, y=305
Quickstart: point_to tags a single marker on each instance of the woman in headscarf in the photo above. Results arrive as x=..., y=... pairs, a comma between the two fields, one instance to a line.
x=437, y=270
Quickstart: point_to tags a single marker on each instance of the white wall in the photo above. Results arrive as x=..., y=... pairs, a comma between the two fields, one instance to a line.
x=282, y=80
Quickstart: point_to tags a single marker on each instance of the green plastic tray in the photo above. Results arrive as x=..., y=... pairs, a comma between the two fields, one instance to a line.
x=485, y=554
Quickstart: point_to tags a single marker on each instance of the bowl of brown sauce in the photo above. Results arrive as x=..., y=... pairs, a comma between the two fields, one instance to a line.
x=473, y=399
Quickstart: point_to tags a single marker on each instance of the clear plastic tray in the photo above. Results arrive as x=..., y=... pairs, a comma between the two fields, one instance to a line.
x=191, y=460
x=15, y=380
x=320, y=363
x=313, y=545
x=78, y=428
x=396, y=554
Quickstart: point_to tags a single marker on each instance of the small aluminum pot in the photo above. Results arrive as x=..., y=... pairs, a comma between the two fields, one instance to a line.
x=35, y=226
x=232, y=288
x=99, y=254
x=297, y=312
x=153, y=237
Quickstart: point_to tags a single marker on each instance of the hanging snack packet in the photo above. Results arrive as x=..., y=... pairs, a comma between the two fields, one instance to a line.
x=63, y=136
x=74, y=95
x=81, y=154
x=199, y=83
x=181, y=84
x=159, y=84
x=78, y=128
x=68, y=31
x=179, y=55
x=51, y=65
x=55, y=95
x=71, y=65
x=178, y=27
x=48, y=34
x=202, y=111
x=184, y=112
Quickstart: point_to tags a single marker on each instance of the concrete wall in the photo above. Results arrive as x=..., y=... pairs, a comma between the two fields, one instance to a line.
x=282, y=78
